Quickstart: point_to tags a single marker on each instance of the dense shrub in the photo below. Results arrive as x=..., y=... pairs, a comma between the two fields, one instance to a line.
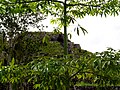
x=47, y=73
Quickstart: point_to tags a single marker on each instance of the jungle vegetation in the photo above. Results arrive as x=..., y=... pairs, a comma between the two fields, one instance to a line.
x=34, y=61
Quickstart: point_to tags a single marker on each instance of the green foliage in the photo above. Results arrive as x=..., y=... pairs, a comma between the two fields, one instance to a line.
x=64, y=12
x=1, y=42
x=46, y=73
x=10, y=73
x=45, y=39
x=50, y=71
x=107, y=67
x=29, y=45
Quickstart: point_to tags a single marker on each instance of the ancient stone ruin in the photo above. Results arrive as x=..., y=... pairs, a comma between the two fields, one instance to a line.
x=60, y=38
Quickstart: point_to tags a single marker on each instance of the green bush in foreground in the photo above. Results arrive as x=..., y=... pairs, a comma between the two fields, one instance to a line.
x=47, y=73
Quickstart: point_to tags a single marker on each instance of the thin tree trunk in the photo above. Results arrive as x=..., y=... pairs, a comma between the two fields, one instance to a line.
x=10, y=86
x=65, y=30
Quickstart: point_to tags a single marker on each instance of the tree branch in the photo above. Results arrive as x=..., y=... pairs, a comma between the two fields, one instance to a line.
x=78, y=4
x=84, y=5
x=23, y=2
x=75, y=74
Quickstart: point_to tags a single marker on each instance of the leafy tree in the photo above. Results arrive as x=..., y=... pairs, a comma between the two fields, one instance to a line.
x=66, y=11
x=12, y=24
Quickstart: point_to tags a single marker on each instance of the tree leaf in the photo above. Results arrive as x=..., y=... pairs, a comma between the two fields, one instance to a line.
x=12, y=62
x=70, y=35
x=43, y=40
x=72, y=21
x=78, y=31
x=83, y=30
x=74, y=29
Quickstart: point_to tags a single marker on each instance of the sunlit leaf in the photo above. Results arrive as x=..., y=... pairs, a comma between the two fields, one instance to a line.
x=12, y=62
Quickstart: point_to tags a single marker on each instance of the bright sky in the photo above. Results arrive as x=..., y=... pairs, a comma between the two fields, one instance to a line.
x=102, y=33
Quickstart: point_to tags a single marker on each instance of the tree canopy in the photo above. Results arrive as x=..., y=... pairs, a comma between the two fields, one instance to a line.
x=75, y=8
